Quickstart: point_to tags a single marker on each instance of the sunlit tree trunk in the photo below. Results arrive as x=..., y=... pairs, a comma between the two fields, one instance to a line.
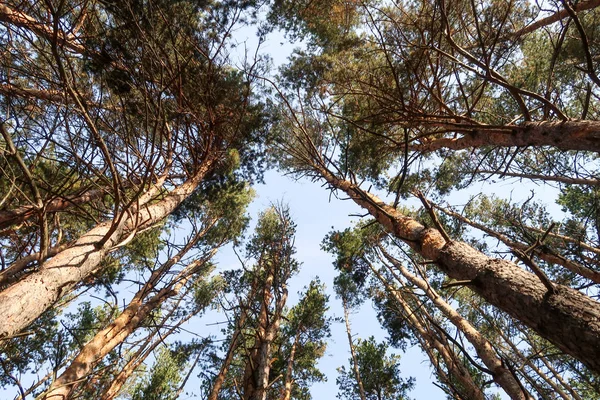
x=455, y=368
x=359, y=383
x=114, y=334
x=289, y=371
x=564, y=316
x=500, y=373
x=24, y=301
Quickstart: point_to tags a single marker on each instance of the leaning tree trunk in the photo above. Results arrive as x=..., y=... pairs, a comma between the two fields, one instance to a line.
x=26, y=300
x=114, y=334
x=484, y=349
x=430, y=341
x=566, y=135
x=564, y=316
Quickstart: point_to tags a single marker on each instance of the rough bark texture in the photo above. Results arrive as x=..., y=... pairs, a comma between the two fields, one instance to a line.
x=501, y=375
x=110, y=337
x=567, y=318
x=429, y=341
x=567, y=135
x=24, y=301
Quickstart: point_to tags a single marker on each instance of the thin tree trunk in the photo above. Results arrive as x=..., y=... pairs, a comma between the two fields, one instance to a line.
x=361, y=389
x=579, y=269
x=456, y=370
x=111, y=336
x=24, y=301
x=142, y=353
x=564, y=316
x=235, y=339
x=501, y=375
x=289, y=381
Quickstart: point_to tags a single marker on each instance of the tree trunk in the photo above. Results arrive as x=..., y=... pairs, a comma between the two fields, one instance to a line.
x=287, y=388
x=235, y=338
x=111, y=336
x=567, y=135
x=143, y=352
x=469, y=389
x=24, y=301
x=501, y=375
x=361, y=389
x=564, y=316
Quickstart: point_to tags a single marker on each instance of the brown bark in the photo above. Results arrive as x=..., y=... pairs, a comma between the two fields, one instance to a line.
x=484, y=349
x=559, y=15
x=22, y=20
x=16, y=269
x=235, y=340
x=289, y=371
x=114, y=334
x=430, y=340
x=143, y=352
x=24, y=301
x=566, y=135
x=515, y=352
x=256, y=376
x=566, y=317
x=361, y=389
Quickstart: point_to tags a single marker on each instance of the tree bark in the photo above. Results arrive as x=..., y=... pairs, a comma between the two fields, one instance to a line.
x=484, y=349
x=22, y=20
x=430, y=341
x=566, y=135
x=565, y=317
x=111, y=336
x=557, y=16
x=289, y=381
x=24, y=301
x=361, y=389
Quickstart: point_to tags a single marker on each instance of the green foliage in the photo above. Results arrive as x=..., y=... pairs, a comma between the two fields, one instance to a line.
x=164, y=377
x=379, y=373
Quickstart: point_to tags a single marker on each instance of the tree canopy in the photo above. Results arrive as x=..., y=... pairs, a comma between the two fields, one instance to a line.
x=468, y=132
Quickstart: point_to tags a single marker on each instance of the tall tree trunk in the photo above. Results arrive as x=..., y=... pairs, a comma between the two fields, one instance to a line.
x=500, y=373
x=289, y=371
x=564, y=316
x=233, y=345
x=361, y=389
x=258, y=366
x=149, y=345
x=456, y=370
x=24, y=301
x=111, y=336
